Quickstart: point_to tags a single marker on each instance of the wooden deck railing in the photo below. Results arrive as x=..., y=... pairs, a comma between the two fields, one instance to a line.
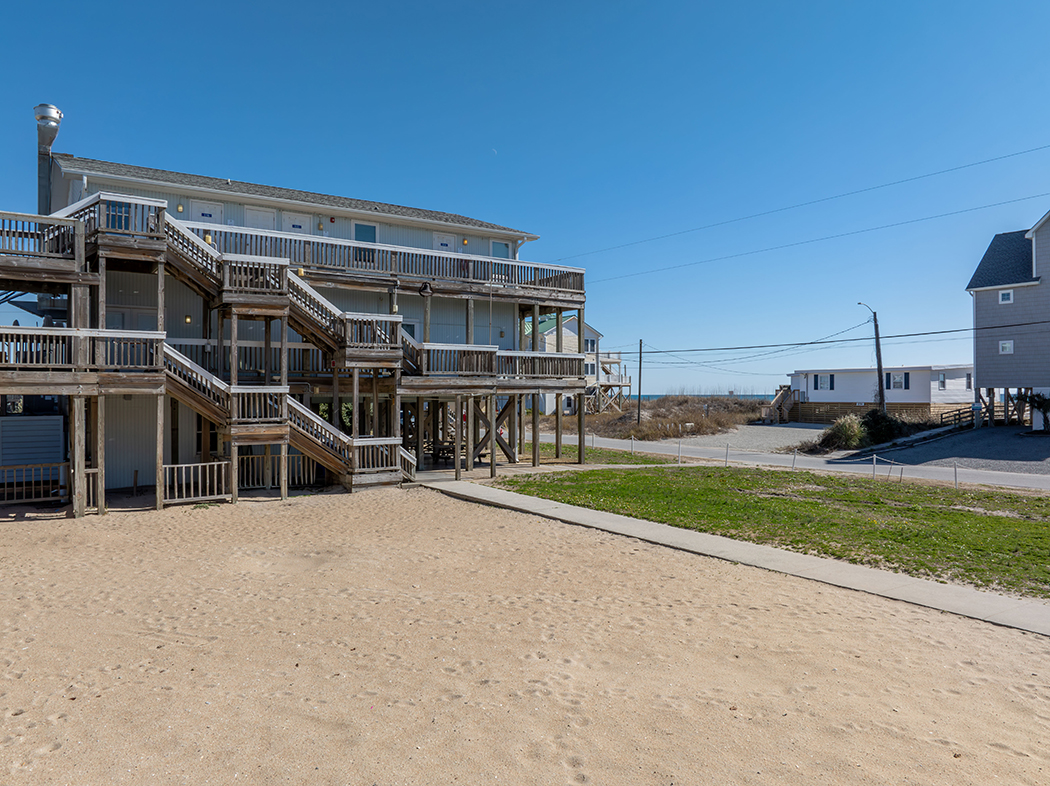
x=377, y=454
x=69, y=348
x=24, y=235
x=257, y=404
x=34, y=483
x=408, y=464
x=327, y=435
x=119, y=214
x=377, y=259
x=195, y=377
x=538, y=364
x=303, y=359
x=192, y=248
x=451, y=359
x=197, y=482
x=254, y=275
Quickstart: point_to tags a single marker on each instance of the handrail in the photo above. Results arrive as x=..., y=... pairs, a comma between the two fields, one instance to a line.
x=119, y=214
x=24, y=234
x=305, y=421
x=192, y=247
x=172, y=354
x=387, y=260
x=408, y=463
x=85, y=332
x=73, y=348
x=109, y=196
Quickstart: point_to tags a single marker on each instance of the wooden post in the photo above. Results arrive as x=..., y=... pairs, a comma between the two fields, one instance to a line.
x=512, y=428
x=396, y=411
x=991, y=406
x=235, y=472
x=284, y=351
x=535, y=429
x=334, y=414
x=559, y=403
x=160, y=451
x=160, y=296
x=470, y=320
x=77, y=461
x=267, y=478
x=581, y=409
x=101, y=292
x=419, y=432
x=284, y=470
x=535, y=327
x=492, y=435
x=234, y=363
x=355, y=416
x=459, y=435
x=471, y=438
x=267, y=350
x=375, y=402
x=205, y=440
x=426, y=319
x=519, y=403
x=100, y=452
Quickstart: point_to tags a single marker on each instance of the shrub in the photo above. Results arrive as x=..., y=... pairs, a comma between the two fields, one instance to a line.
x=882, y=427
x=846, y=433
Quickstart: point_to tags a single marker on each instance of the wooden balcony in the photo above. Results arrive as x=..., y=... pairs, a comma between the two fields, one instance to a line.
x=121, y=226
x=44, y=249
x=383, y=264
x=255, y=283
x=258, y=415
x=67, y=361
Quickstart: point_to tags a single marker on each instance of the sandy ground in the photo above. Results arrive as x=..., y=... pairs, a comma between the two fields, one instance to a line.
x=401, y=637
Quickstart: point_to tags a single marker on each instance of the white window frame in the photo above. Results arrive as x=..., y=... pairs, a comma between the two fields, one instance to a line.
x=1006, y=347
x=353, y=230
x=1006, y=297
x=942, y=381
x=590, y=345
x=507, y=243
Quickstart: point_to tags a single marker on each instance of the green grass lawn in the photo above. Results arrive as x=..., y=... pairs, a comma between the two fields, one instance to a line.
x=991, y=539
x=593, y=455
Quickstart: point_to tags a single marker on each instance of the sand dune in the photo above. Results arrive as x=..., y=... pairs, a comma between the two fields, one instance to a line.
x=406, y=638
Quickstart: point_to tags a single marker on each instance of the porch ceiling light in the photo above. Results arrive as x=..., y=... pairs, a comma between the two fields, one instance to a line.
x=426, y=290
x=189, y=319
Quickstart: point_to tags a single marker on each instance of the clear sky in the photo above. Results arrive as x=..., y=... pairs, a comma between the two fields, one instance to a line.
x=596, y=125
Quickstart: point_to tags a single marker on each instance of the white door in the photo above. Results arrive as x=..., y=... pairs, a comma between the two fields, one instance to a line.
x=296, y=222
x=206, y=212
x=444, y=242
x=260, y=218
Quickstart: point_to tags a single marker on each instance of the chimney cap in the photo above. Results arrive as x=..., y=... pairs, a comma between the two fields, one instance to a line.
x=48, y=114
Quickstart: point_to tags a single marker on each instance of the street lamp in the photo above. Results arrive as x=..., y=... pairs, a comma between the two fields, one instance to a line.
x=878, y=357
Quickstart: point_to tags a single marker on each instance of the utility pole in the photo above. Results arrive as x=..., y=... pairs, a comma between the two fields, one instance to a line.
x=878, y=358
x=639, y=381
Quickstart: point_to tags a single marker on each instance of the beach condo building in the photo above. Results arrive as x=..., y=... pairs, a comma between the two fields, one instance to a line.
x=918, y=392
x=196, y=336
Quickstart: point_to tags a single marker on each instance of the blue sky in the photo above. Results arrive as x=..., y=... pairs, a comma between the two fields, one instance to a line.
x=597, y=125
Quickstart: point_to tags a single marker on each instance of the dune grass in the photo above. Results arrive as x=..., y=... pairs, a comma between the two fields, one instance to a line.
x=990, y=539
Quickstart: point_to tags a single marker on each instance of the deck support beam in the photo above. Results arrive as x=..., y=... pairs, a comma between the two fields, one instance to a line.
x=459, y=436
x=100, y=451
x=78, y=463
x=492, y=435
x=160, y=451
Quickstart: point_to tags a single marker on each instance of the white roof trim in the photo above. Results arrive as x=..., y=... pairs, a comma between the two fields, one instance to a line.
x=1038, y=224
x=1007, y=286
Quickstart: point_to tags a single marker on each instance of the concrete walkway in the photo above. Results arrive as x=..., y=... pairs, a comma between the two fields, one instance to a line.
x=1028, y=615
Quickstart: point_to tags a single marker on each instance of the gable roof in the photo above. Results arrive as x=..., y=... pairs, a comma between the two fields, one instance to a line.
x=89, y=166
x=1008, y=260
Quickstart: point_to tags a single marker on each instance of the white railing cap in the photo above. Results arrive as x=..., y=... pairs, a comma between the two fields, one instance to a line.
x=365, y=441
x=191, y=237
x=36, y=219
x=255, y=258
x=365, y=315
x=259, y=388
x=338, y=241
x=530, y=354
x=481, y=347
x=85, y=332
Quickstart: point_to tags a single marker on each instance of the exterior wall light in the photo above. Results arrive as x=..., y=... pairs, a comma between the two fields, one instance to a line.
x=464, y=241
x=189, y=319
x=178, y=208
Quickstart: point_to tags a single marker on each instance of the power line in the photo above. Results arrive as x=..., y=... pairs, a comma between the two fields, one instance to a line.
x=846, y=340
x=805, y=204
x=820, y=239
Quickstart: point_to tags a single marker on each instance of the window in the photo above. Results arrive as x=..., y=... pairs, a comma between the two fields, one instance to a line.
x=1006, y=347
x=589, y=370
x=942, y=382
x=500, y=250
x=364, y=233
x=969, y=381
x=1006, y=296
x=590, y=345
x=825, y=382
x=898, y=380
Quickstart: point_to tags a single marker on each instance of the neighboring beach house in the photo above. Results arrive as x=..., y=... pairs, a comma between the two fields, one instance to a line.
x=824, y=395
x=607, y=385
x=1011, y=319
x=210, y=335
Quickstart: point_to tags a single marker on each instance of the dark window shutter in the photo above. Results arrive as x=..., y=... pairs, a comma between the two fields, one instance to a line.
x=888, y=385
x=831, y=381
x=907, y=381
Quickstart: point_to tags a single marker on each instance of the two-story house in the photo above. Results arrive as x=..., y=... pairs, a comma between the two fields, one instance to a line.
x=1011, y=319
x=215, y=335
x=608, y=387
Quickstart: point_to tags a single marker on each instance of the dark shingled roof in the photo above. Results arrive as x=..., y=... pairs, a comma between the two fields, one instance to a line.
x=1008, y=260
x=91, y=166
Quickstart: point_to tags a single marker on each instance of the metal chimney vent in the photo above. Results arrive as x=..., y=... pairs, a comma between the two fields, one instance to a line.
x=48, y=118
